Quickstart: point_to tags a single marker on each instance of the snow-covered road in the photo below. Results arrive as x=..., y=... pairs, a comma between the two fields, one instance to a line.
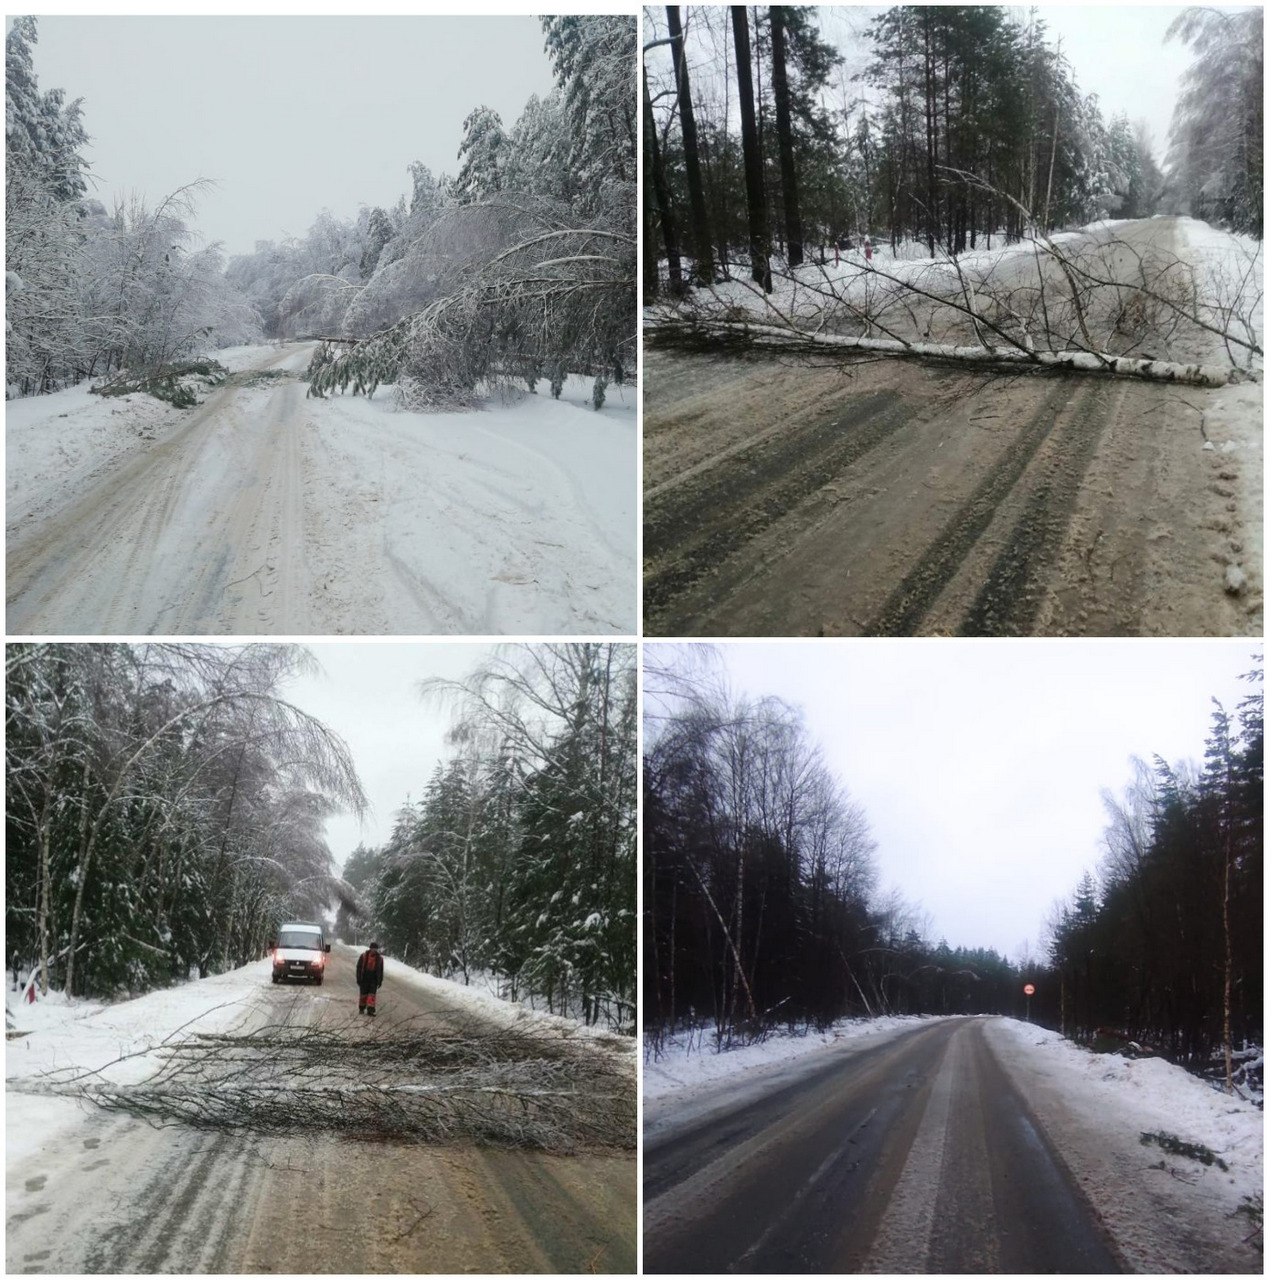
x=98, y=1191
x=264, y=512
x=950, y=1144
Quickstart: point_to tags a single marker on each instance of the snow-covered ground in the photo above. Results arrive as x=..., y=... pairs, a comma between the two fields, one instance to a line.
x=1139, y=1094
x=1118, y=1095
x=483, y=993
x=57, y=1034
x=691, y=1082
x=485, y=1004
x=1230, y=270
x=1095, y=1109
x=54, y=442
x=70, y=1038
x=810, y=292
x=518, y=518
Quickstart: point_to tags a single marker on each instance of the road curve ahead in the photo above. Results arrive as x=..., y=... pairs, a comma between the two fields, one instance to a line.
x=915, y=1156
x=111, y=1195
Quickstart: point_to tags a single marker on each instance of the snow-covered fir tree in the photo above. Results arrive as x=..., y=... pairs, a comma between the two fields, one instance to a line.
x=518, y=860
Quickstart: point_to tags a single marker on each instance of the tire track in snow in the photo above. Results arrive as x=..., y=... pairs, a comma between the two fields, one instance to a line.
x=911, y=600
x=1010, y=598
x=699, y=528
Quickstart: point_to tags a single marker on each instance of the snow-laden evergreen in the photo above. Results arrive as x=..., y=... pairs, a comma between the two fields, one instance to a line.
x=519, y=858
x=1216, y=140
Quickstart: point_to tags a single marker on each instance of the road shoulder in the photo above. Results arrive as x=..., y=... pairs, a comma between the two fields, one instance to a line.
x=1165, y=1212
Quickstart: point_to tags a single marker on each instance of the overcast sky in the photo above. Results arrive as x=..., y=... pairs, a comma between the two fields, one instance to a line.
x=980, y=763
x=368, y=693
x=290, y=115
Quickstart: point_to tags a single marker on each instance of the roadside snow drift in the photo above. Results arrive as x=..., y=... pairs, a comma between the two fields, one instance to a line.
x=1161, y=1207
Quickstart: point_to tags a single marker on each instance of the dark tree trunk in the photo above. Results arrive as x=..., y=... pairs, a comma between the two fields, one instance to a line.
x=656, y=193
x=933, y=230
x=703, y=258
x=786, y=156
x=757, y=216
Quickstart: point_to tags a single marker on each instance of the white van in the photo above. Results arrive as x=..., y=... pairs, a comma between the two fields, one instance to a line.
x=300, y=952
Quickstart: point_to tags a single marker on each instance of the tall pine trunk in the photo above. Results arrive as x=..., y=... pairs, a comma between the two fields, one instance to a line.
x=703, y=257
x=656, y=193
x=753, y=161
x=786, y=155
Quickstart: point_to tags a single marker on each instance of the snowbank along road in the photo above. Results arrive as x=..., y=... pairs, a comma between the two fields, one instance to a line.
x=895, y=498
x=116, y=1195
x=263, y=512
x=922, y=1153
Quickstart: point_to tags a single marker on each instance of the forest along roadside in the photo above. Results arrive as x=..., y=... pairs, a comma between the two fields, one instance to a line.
x=263, y=511
x=936, y=1149
x=892, y=497
x=185, y=1199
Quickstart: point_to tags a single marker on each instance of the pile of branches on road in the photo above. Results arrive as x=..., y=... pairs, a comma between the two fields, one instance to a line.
x=411, y=1082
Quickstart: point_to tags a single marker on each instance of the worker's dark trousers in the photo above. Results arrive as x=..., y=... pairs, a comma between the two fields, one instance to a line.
x=368, y=998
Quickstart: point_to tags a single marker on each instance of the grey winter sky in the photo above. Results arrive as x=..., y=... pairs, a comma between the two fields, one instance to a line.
x=291, y=115
x=980, y=763
x=369, y=694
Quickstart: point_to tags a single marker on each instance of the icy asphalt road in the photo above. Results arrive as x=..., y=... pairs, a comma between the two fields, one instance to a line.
x=916, y=1155
x=262, y=512
x=113, y=1195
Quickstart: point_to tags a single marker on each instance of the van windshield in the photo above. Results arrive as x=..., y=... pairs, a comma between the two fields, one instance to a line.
x=299, y=938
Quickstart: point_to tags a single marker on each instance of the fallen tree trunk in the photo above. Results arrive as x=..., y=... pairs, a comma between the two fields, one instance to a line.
x=727, y=334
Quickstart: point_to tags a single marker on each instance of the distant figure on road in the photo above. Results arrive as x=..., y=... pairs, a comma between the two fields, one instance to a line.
x=369, y=978
x=866, y=247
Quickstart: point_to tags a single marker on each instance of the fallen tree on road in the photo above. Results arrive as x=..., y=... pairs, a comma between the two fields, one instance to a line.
x=744, y=336
x=1091, y=302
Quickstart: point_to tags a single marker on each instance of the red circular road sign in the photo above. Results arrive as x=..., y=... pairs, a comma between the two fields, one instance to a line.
x=1028, y=990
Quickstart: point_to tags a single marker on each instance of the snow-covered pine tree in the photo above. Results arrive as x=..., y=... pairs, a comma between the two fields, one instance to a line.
x=1217, y=134
x=41, y=129
x=483, y=153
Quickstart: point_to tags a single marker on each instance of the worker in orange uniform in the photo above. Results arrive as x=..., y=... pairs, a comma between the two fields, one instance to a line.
x=369, y=978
